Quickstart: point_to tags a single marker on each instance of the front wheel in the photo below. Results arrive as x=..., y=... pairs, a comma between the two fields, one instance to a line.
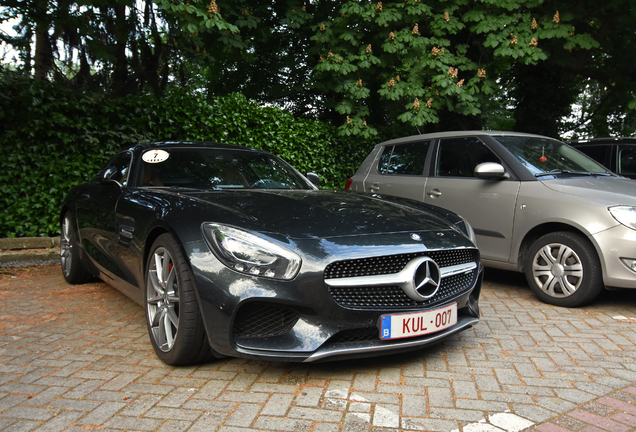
x=174, y=321
x=563, y=269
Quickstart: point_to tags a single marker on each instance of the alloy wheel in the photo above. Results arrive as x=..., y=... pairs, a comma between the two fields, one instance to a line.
x=162, y=291
x=66, y=246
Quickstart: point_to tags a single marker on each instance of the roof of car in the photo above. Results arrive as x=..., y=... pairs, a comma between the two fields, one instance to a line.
x=607, y=140
x=436, y=135
x=189, y=144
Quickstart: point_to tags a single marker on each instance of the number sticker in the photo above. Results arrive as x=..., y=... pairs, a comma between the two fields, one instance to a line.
x=155, y=156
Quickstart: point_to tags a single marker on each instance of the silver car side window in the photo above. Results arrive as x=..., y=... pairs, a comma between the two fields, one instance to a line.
x=404, y=159
x=458, y=157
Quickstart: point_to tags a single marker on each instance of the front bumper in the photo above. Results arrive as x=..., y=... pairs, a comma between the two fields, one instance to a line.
x=303, y=321
x=617, y=244
x=343, y=347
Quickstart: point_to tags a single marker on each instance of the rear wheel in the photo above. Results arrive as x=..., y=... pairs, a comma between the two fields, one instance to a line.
x=563, y=269
x=174, y=321
x=72, y=268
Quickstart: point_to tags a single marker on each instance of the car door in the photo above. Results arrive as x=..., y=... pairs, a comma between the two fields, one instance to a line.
x=96, y=218
x=627, y=160
x=399, y=171
x=488, y=205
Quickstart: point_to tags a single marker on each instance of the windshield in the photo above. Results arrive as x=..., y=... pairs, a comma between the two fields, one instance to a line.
x=544, y=156
x=217, y=169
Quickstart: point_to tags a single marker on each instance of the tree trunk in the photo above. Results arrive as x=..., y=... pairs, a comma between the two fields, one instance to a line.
x=120, y=76
x=42, y=61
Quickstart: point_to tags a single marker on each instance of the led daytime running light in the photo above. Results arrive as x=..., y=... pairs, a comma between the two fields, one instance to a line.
x=247, y=253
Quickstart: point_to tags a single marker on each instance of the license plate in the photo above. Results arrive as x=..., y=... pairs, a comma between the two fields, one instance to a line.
x=419, y=323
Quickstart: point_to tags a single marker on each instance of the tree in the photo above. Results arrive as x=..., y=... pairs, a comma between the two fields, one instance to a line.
x=368, y=66
x=410, y=60
x=123, y=46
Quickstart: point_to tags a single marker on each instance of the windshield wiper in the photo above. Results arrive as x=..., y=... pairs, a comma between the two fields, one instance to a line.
x=568, y=172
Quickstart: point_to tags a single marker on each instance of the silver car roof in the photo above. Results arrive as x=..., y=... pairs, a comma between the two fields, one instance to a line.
x=436, y=135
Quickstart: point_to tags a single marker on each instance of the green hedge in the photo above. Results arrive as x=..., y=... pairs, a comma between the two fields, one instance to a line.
x=55, y=138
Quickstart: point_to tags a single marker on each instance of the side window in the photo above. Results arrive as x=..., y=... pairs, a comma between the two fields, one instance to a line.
x=458, y=157
x=121, y=164
x=627, y=159
x=404, y=159
x=598, y=153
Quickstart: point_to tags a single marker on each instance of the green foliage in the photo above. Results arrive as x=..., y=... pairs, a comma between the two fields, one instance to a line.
x=443, y=57
x=404, y=55
x=196, y=16
x=66, y=137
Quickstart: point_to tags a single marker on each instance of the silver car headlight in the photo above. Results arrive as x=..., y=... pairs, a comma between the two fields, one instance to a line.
x=626, y=215
x=250, y=254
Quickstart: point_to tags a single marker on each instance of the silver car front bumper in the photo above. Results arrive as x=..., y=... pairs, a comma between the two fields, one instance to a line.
x=618, y=244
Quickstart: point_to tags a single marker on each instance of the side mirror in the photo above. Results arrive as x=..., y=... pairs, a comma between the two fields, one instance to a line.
x=314, y=178
x=491, y=171
x=106, y=177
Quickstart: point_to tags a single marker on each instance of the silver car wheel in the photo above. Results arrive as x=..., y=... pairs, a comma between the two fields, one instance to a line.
x=162, y=291
x=66, y=247
x=557, y=270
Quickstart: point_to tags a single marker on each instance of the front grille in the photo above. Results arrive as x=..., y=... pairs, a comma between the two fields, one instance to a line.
x=393, y=297
x=394, y=263
x=356, y=335
x=259, y=319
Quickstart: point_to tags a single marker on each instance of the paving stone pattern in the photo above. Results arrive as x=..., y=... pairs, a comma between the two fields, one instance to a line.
x=77, y=358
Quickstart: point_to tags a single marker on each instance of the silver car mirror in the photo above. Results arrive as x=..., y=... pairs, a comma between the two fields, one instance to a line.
x=491, y=171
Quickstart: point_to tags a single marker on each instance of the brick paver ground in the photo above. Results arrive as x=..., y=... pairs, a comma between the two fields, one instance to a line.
x=77, y=358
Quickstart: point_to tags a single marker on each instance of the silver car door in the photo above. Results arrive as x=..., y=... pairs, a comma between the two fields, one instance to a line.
x=488, y=205
x=398, y=171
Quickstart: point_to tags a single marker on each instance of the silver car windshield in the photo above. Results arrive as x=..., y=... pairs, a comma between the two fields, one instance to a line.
x=546, y=157
x=217, y=169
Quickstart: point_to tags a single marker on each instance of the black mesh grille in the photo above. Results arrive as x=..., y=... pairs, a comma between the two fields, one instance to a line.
x=394, y=263
x=257, y=319
x=393, y=297
x=356, y=335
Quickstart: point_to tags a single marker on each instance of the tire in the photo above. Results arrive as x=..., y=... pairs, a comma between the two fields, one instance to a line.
x=175, y=325
x=72, y=268
x=563, y=269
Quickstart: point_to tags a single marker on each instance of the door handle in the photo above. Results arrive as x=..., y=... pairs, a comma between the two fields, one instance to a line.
x=85, y=196
x=434, y=193
x=375, y=187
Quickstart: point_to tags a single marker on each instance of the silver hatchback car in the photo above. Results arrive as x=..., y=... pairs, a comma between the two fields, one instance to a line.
x=537, y=205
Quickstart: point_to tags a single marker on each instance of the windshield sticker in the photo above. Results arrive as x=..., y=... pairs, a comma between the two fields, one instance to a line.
x=155, y=156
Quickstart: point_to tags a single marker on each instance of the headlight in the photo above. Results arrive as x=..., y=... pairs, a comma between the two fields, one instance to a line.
x=463, y=225
x=626, y=215
x=247, y=253
x=468, y=230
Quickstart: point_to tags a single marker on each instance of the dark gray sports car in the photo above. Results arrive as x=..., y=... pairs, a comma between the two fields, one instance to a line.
x=232, y=252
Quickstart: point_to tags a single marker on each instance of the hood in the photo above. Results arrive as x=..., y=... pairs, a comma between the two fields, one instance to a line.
x=317, y=213
x=600, y=190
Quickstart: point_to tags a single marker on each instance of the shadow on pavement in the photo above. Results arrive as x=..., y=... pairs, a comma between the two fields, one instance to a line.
x=512, y=278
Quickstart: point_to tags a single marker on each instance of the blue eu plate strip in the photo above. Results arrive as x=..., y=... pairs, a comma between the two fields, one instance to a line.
x=386, y=327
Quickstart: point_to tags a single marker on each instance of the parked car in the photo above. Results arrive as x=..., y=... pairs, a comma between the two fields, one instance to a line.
x=536, y=204
x=617, y=154
x=232, y=252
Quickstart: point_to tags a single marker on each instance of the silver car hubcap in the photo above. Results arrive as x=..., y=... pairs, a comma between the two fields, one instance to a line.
x=557, y=270
x=66, y=247
x=162, y=291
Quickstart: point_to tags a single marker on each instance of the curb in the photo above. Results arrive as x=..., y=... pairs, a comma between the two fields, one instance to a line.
x=29, y=251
